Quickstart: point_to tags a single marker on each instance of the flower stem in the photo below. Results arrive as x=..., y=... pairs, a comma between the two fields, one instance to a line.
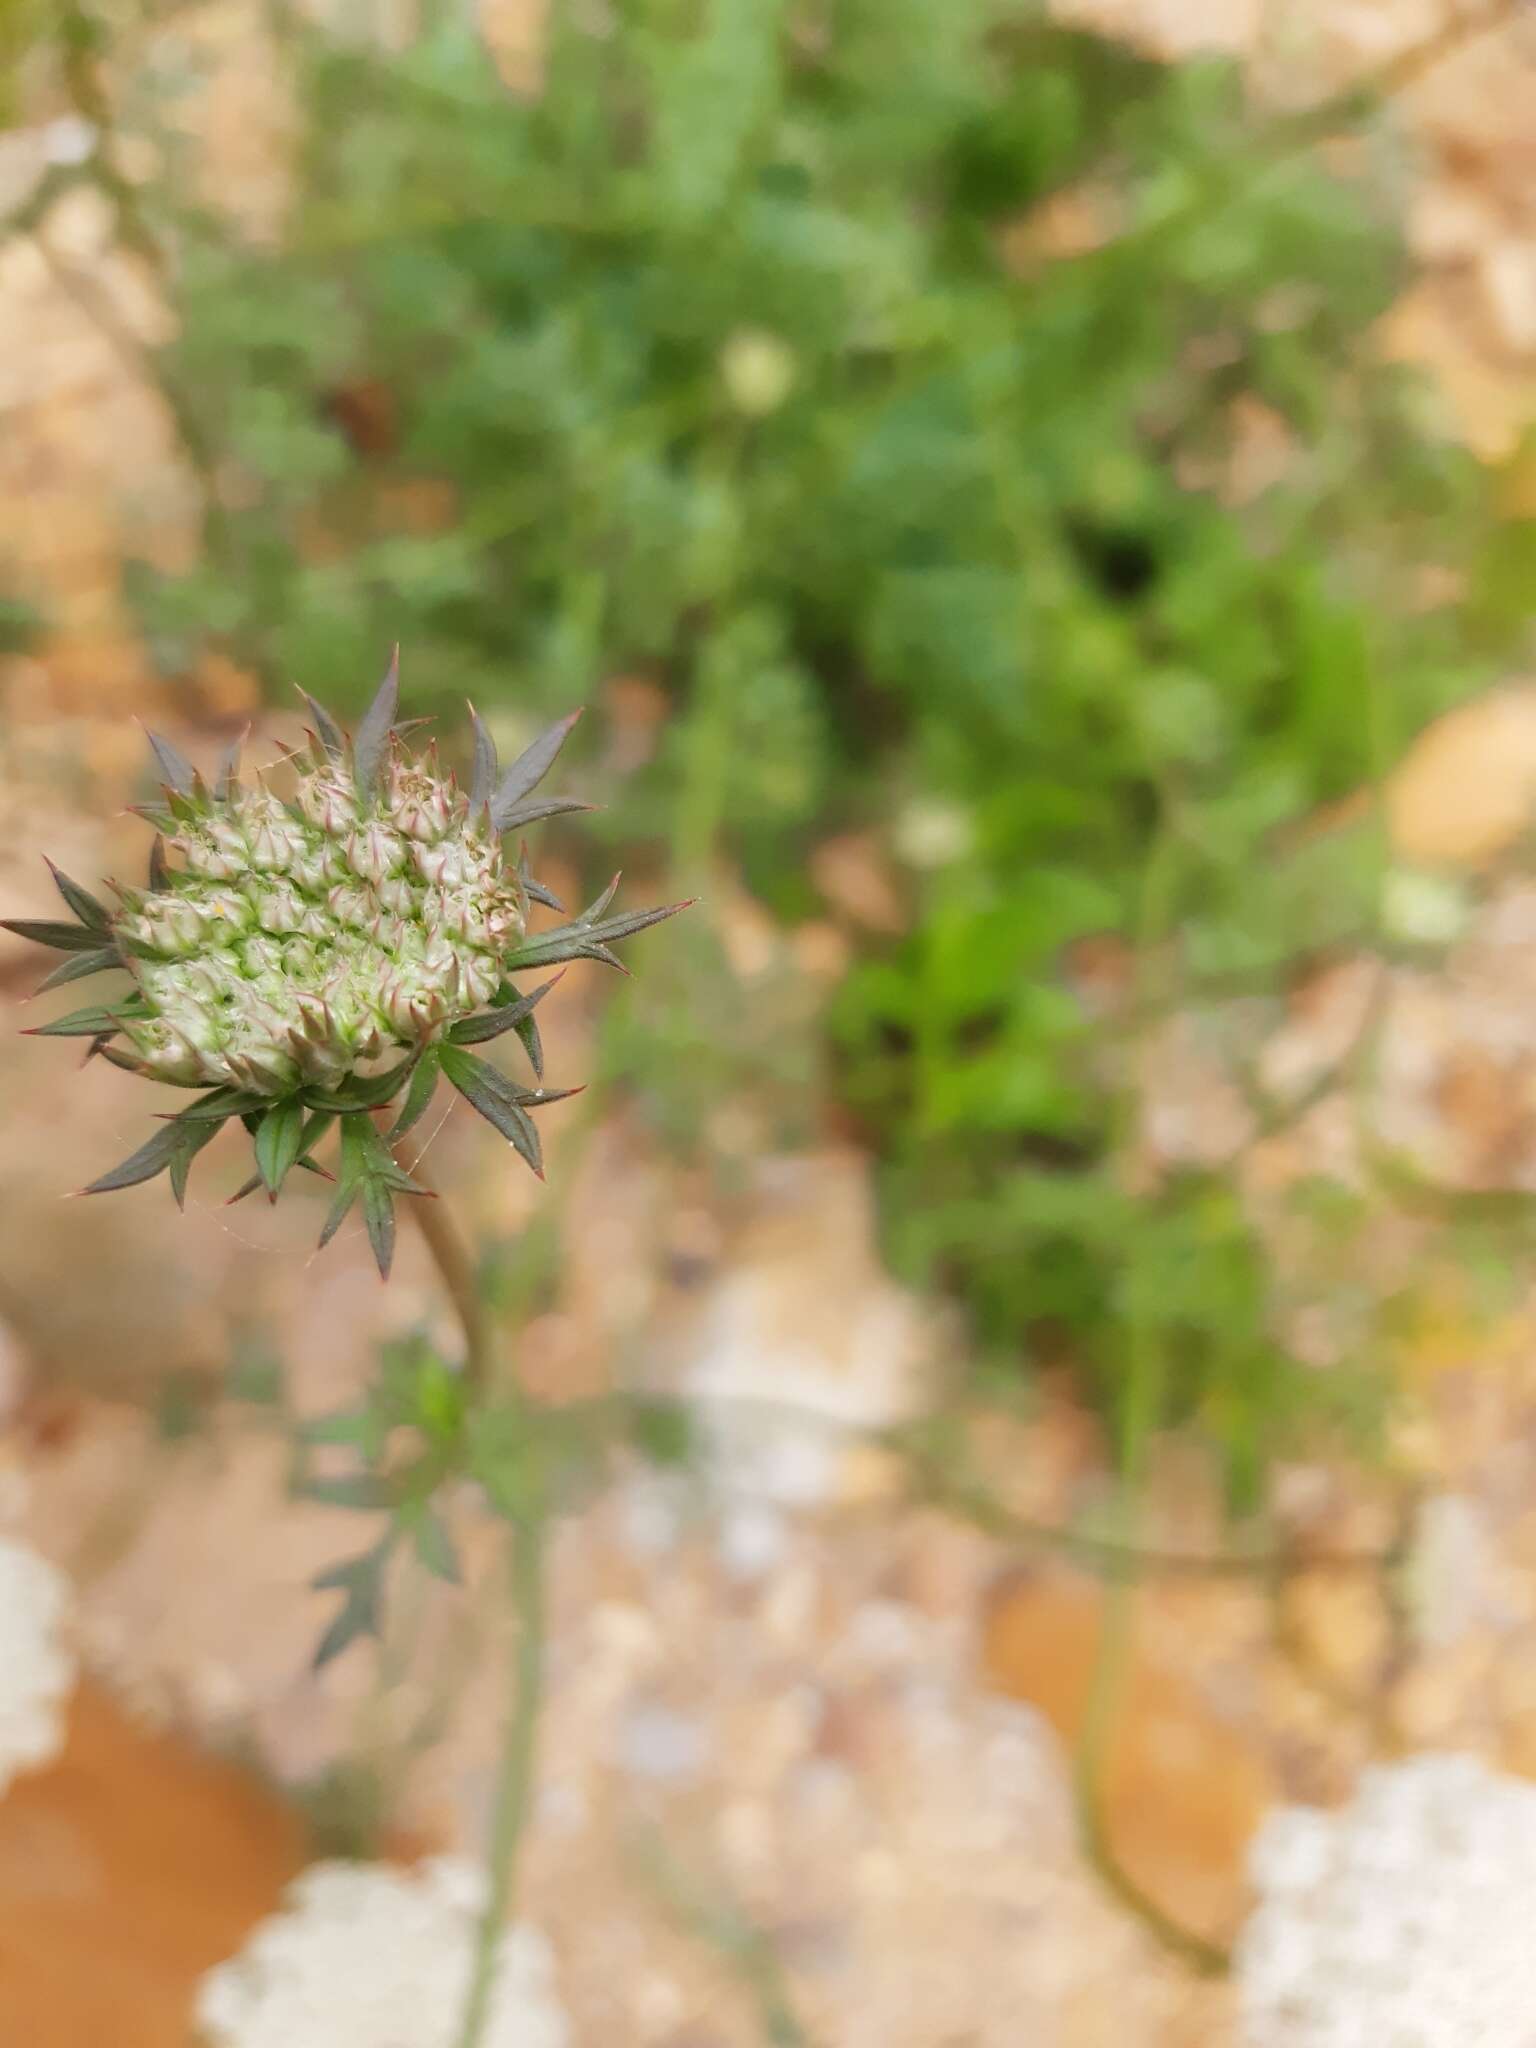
x=456, y=1269
x=514, y=1788
x=514, y=1784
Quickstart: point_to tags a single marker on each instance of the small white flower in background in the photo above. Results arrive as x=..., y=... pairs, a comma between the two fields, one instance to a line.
x=1423, y=909
x=1401, y=1921
x=368, y=1957
x=758, y=371
x=37, y=1665
x=931, y=833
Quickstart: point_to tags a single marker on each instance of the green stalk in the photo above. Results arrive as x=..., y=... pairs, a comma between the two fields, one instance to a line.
x=514, y=1786
x=515, y=1774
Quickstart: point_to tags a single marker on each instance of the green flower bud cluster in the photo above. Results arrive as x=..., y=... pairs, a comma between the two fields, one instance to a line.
x=295, y=942
x=308, y=960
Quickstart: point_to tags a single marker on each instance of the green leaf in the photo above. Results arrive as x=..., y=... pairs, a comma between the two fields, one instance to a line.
x=372, y=742
x=279, y=1141
x=492, y=1023
x=81, y=901
x=494, y=1096
x=79, y=965
x=176, y=771
x=356, y=1427
x=529, y=769
x=367, y=1492
x=361, y=1580
x=435, y=1547
x=418, y=1096
x=43, y=931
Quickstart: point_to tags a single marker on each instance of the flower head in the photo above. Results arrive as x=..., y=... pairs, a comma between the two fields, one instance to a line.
x=310, y=959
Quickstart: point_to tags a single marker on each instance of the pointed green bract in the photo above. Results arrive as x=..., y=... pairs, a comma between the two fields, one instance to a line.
x=492, y=1023
x=586, y=938
x=529, y=769
x=44, y=931
x=361, y=1581
x=79, y=965
x=80, y=901
x=279, y=1137
x=419, y=1093
x=483, y=776
x=176, y=771
x=327, y=731
x=372, y=742
x=488, y=1090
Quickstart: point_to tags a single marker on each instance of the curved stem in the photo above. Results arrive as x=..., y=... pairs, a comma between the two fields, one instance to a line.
x=456, y=1269
x=514, y=1786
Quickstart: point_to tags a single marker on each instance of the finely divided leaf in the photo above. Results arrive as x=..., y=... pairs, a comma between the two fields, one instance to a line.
x=529, y=769
x=361, y=1579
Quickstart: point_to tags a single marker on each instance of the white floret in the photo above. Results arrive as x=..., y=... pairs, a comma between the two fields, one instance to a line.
x=1402, y=1921
x=363, y=1956
x=37, y=1664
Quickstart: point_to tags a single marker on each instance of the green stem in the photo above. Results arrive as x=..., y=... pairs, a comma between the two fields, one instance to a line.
x=515, y=1777
x=514, y=1788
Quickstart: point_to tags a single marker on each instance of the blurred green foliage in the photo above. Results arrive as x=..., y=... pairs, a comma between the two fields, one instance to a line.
x=749, y=358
